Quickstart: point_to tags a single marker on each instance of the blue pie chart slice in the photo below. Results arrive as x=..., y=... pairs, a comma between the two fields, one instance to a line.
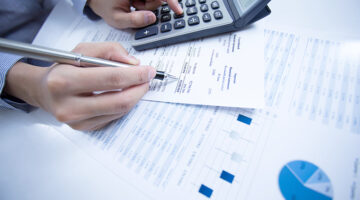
x=303, y=180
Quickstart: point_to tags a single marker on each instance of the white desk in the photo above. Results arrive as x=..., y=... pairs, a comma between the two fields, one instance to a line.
x=38, y=163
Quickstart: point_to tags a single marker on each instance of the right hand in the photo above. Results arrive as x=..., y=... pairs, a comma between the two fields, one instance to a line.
x=67, y=91
x=117, y=13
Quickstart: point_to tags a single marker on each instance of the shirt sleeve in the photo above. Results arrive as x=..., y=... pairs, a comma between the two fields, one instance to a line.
x=79, y=5
x=83, y=8
x=7, y=103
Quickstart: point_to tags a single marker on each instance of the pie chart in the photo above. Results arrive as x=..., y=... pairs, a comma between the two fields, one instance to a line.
x=303, y=180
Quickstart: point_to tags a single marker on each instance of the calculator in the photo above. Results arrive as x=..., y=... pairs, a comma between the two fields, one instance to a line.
x=200, y=18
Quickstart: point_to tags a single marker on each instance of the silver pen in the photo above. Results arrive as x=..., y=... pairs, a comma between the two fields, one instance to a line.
x=59, y=56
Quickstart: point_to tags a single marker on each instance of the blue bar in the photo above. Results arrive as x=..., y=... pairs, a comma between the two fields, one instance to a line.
x=227, y=176
x=244, y=119
x=205, y=191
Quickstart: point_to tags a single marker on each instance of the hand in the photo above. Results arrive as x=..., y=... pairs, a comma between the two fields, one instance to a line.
x=67, y=91
x=117, y=13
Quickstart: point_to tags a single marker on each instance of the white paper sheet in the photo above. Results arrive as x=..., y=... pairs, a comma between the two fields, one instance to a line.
x=175, y=151
x=226, y=70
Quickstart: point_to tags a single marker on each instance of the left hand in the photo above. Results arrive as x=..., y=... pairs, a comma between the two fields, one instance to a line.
x=117, y=13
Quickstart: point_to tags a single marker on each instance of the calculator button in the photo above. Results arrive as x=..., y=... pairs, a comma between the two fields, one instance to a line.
x=204, y=7
x=165, y=27
x=190, y=3
x=215, y=5
x=156, y=12
x=176, y=16
x=202, y=1
x=191, y=11
x=181, y=5
x=218, y=14
x=165, y=17
x=146, y=32
x=193, y=20
x=165, y=9
x=179, y=24
x=206, y=17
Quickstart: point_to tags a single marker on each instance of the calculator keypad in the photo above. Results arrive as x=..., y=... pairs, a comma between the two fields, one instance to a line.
x=206, y=17
x=170, y=23
x=204, y=7
x=218, y=14
x=194, y=20
x=146, y=32
x=179, y=24
x=190, y=3
x=178, y=16
x=215, y=5
x=191, y=11
x=165, y=27
x=165, y=9
x=165, y=18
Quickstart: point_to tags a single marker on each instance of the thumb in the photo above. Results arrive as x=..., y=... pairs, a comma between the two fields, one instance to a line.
x=134, y=19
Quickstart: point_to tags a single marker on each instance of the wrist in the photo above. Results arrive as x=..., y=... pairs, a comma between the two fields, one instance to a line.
x=23, y=81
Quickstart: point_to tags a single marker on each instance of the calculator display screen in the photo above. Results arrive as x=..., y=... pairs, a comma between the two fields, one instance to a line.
x=246, y=4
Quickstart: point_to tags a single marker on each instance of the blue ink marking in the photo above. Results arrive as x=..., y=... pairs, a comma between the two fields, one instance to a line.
x=244, y=119
x=206, y=191
x=227, y=176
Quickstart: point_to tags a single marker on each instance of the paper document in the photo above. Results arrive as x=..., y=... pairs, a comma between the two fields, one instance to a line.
x=315, y=79
x=226, y=70
x=176, y=151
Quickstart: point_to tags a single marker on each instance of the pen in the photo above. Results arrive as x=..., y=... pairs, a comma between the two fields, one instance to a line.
x=60, y=56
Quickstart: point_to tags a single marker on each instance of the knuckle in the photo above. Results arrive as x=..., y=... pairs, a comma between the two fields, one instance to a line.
x=56, y=84
x=124, y=105
x=112, y=47
x=116, y=79
x=142, y=75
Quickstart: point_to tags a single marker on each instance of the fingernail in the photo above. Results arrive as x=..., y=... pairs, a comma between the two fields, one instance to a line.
x=152, y=73
x=132, y=60
x=148, y=18
x=180, y=9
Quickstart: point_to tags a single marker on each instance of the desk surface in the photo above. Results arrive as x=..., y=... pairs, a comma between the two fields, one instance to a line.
x=39, y=163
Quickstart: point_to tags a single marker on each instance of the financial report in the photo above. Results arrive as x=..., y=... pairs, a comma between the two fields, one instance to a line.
x=168, y=150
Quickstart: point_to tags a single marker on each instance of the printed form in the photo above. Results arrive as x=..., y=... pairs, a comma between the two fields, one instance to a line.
x=219, y=71
x=309, y=125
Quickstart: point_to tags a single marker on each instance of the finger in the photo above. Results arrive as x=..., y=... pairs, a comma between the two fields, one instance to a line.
x=106, y=50
x=174, y=5
x=134, y=19
x=100, y=126
x=94, y=123
x=109, y=103
x=85, y=80
x=146, y=5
